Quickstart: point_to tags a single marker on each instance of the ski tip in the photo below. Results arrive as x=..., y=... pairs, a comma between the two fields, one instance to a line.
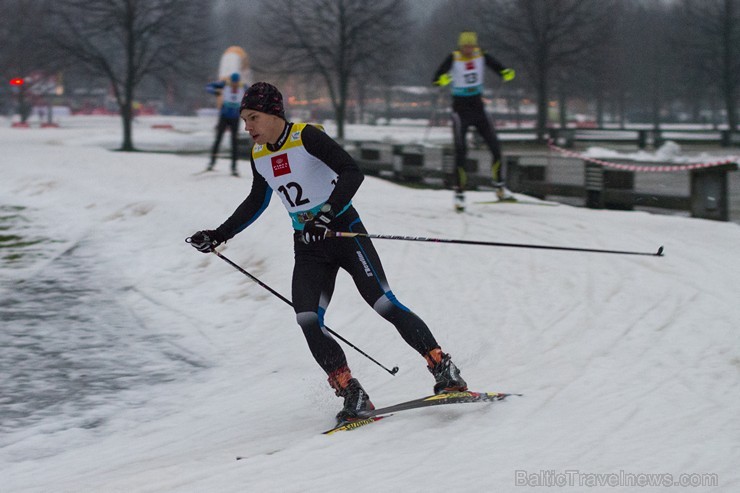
x=501, y=395
x=660, y=251
x=494, y=396
x=477, y=395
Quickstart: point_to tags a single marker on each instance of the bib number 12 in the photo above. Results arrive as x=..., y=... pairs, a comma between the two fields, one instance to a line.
x=298, y=192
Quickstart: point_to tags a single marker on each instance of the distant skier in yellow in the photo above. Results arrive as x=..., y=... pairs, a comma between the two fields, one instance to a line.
x=464, y=69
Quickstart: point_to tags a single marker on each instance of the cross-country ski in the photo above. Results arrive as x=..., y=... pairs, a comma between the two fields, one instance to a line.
x=466, y=397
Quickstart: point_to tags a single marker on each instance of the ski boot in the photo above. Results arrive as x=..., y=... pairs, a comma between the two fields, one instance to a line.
x=356, y=400
x=446, y=374
x=459, y=201
x=502, y=193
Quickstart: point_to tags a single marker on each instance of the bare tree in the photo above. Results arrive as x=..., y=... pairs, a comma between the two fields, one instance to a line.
x=713, y=35
x=615, y=62
x=126, y=41
x=338, y=41
x=549, y=38
x=653, y=77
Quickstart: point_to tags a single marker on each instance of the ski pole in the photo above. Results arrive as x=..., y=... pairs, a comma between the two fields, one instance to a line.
x=286, y=300
x=341, y=234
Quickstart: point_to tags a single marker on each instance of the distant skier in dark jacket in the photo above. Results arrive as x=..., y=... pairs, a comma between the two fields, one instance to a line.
x=465, y=69
x=228, y=116
x=316, y=179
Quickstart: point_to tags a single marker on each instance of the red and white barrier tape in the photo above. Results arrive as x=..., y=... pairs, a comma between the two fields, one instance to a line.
x=633, y=167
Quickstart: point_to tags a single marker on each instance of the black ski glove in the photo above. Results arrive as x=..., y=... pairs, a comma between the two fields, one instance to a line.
x=316, y=228
x=206, y=241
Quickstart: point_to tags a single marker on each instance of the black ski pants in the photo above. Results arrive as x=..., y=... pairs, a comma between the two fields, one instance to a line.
x=233, y=125
x=314, y=275
x=462, y=120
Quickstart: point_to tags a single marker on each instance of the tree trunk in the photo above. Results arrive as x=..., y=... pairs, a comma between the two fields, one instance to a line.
x=339, y=114
x=341, y=108
x=563, y=108
x=126, y=114
x=600, y=105
x=656, y=113
x=541, y=103
x=128, y=83
x=655, y=102
x=729, y=76
x=389, y=104
x=24, y=108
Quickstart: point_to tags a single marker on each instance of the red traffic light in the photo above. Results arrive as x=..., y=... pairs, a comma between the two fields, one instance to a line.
x=18, y=81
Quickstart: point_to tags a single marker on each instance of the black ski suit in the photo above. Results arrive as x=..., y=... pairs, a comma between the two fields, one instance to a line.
x=468, y=110
x=299, y=148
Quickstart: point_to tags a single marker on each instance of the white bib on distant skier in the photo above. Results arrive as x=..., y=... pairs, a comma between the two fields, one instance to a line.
x=232, y=98
x=467, y=73
x=302, y=181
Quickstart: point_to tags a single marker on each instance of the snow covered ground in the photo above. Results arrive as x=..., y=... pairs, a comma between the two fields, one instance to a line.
x=132, y=363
